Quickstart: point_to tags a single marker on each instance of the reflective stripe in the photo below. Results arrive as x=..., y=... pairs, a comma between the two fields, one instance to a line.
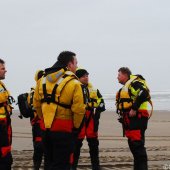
x=60, y=80
x=69, y=73
x=44, y=80
x=2, y=116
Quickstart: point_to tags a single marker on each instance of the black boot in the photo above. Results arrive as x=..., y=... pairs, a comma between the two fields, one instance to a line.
x=94, y=152
x=139, y=153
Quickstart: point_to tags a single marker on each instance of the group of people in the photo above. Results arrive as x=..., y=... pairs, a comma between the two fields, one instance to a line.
x=66, y=108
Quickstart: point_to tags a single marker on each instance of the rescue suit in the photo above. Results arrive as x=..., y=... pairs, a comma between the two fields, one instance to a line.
x=135, y=95
x=36, y=133
x=59, y=102
x=5, y=128
x=89, y=129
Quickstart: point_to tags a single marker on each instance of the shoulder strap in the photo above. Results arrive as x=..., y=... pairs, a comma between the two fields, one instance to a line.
x=48, y=98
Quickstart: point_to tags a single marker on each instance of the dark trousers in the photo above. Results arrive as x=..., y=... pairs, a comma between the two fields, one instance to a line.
x=93, y=144
x=5, y=142
x=135, y=131
x=37, y=145
x=37, y=155
x=139, y=153
x=6, y=162
x=57, y=150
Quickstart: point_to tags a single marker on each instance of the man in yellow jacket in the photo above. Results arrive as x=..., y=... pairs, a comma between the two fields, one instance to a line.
x=36, y=130
x=59, y=102
x=131, y=101
x=5, y=122
x=89, y=129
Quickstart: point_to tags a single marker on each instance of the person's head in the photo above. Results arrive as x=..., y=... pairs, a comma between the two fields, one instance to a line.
x=83, y=76
x=68, y=59
x=2, y=69
x=123, y=75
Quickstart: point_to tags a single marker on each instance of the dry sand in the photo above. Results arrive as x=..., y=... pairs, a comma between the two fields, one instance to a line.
x=114, y=152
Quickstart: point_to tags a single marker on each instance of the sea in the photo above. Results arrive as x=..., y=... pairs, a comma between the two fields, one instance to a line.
x=160, y=99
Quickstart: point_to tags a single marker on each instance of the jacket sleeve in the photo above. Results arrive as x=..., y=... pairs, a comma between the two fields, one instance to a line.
x=100, y=101
x=78, y=106
x=37, y=101
x=141, y=94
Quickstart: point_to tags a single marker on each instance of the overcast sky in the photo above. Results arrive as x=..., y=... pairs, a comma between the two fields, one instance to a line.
x=105, y=35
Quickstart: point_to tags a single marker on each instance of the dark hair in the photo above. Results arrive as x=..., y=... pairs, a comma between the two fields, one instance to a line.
x=81, y=72
x=65, y=57
x=125, y=70
x=2, y=61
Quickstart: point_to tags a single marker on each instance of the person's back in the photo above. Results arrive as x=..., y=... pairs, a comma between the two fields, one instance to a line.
x=26, y=108
x=36, y=134
x=59, y=102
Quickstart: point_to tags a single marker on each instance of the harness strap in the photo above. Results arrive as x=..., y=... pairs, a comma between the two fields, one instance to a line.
x=31, y=97
x=4, y=87
x=50, y=98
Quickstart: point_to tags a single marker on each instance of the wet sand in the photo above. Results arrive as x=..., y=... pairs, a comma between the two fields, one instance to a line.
x=114, y=151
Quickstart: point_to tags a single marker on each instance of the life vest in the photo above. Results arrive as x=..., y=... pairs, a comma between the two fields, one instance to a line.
x=50, y=92
x=92, y=96
x=95, y=99
x=5, y=101
x=127, y=95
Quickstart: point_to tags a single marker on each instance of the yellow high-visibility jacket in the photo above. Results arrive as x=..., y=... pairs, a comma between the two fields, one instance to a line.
x=69, y=92
x=4, y=104
x=127, y=95
x=94, y=99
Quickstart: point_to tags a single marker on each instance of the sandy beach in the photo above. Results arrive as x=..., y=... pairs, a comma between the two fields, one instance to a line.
x=114, y=152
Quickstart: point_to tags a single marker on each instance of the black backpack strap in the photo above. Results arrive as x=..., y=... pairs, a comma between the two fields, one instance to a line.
x=31, y=98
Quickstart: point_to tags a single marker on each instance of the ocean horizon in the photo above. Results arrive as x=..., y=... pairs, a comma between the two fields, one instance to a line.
x=160, y=99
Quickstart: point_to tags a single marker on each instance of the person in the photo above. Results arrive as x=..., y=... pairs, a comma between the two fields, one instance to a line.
x=5, y=122
x=59, y=103
x=26, y=108
x=131, y=102
x=36, y=130
x=95, y=105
